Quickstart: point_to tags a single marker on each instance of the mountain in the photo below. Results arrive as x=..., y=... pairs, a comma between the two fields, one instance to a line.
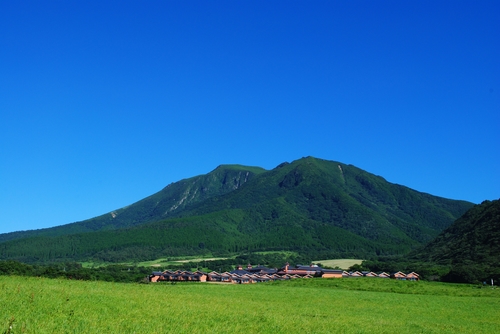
x=471, y=245
x=174, y=197
x=474, y=237
x=311, y=205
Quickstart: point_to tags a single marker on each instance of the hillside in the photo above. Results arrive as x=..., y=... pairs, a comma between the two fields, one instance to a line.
x=471, y=245
x=465, y=252
x=314, y=206
x=158, y=206
x=474, y=237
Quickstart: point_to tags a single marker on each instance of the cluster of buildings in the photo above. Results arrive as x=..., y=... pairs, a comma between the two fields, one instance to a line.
x=263, y=274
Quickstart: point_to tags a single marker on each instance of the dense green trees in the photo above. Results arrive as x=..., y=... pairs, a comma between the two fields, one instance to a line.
x=468, y=251
x=72, y=270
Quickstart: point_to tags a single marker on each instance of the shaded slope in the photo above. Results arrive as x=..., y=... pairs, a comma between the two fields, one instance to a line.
x=474, y=238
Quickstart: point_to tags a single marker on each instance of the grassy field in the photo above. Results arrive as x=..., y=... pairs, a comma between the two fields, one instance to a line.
x=165, y=262
x=341, y=263
x=366, y=305
x=161, y=262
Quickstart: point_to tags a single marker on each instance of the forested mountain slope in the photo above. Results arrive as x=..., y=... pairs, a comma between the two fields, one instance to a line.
x=468, y=251
x=339, y=195
x=311, y=205
x=174, y=197
x=472, y=239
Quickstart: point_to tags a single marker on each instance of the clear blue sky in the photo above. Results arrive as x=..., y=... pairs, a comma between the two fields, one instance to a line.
x=103, y=103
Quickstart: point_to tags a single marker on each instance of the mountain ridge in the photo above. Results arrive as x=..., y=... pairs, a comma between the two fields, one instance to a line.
x=473, y=238
x=467, y=251
x=151, y=205
x=310, y=204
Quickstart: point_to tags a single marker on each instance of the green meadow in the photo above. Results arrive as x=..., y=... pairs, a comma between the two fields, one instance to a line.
x=341, y=263
x=161, y=262
x=366, y=305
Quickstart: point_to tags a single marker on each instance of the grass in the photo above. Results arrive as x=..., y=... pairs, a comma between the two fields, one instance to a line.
x=284, y=253
x=177, y=260
x=366, y=305
x=174, y=261
x=161, y=262
x=341, y=263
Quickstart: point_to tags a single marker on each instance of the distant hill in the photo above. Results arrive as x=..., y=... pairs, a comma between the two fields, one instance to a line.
x=471, y=245
x=314, y=206
x=474, y=237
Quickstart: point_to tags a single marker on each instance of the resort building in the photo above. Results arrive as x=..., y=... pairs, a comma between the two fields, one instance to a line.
x=261, y=274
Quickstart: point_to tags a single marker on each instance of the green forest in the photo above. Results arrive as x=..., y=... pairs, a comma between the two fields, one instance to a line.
x=468, y=251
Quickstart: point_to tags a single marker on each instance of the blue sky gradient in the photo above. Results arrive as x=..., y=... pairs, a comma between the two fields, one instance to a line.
x=104, y=103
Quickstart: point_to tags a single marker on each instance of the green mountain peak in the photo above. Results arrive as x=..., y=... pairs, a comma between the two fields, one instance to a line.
x=308, y=205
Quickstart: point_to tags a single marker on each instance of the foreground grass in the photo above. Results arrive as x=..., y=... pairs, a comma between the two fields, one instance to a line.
x=37, y=305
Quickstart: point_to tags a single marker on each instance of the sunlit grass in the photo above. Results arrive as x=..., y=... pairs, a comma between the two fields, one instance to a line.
x=160, y=262
x=341, y=263
x=37, y=305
